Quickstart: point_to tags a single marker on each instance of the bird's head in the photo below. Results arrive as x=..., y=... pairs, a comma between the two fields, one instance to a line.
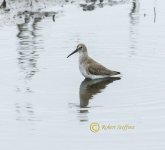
x=81, y=48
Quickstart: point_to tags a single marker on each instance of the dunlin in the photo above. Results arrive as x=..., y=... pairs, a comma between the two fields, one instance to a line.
x=89, y=67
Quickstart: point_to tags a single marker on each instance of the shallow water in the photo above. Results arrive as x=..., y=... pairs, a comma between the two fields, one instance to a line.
x=45, y=103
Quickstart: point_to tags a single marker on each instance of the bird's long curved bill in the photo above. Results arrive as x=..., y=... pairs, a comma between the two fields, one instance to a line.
x=72, y=53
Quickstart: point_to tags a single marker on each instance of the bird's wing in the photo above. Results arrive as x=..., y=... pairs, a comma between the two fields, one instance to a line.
x=95, y=68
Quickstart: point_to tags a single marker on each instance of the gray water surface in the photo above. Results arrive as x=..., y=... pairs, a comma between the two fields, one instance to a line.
x=45, y=103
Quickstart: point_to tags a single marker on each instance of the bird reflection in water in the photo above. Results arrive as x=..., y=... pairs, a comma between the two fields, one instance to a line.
x=88, y=89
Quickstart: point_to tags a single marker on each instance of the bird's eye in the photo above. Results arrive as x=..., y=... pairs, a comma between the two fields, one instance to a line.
x=80, y=47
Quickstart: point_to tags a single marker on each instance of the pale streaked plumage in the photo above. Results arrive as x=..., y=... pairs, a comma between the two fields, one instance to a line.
x=89, y=67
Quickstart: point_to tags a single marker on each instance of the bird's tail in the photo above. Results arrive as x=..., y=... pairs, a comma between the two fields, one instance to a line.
x=115, y=73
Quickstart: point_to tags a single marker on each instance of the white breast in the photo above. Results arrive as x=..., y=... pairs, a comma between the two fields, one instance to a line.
x=83, y=71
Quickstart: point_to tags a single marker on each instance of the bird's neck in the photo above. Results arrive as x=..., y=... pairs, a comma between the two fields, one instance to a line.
x=83, y=56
